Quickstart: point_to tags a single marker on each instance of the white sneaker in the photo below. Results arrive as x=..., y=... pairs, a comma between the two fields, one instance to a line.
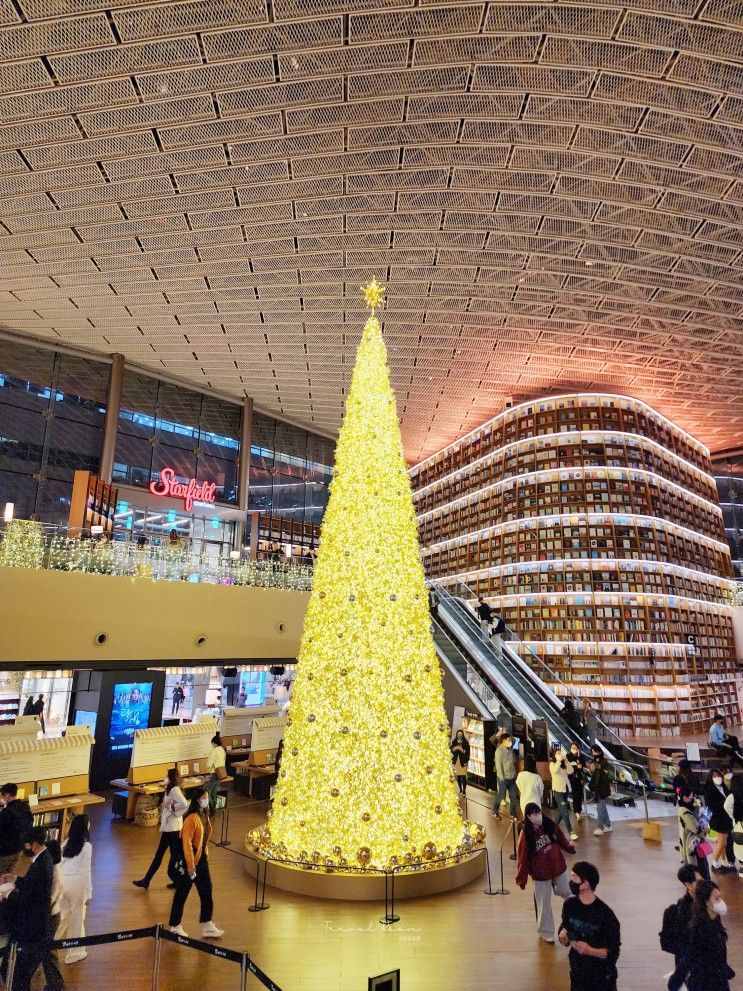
x=210, y=931
x=574, y=836
x=75, y=955
x=608, y=829
x=598, y=832
x=547, y=939
x=178, y=930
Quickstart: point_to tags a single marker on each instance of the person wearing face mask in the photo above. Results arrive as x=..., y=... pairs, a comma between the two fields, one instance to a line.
x=704, y=962
x=715, y=794
x=560, y=770
x=685, y=778
x=540, y=856
x=77, y=884
x=591, y=930
x=505, y=769
x=28, y=909
x=576, y=779
x=733, y=805
x=460, y=758
x=600, y=785
x=192, y=868
x=674, y=932
x=691, y=834
x=171, y=820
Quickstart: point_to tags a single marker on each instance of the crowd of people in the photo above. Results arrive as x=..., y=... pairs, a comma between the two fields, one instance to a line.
x=49, y=900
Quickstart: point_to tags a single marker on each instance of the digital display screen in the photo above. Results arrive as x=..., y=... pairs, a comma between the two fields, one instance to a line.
x=85, y=718
x=130, y=711
x=252, y=688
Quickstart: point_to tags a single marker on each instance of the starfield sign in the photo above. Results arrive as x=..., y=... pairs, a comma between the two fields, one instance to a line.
x=191, y=491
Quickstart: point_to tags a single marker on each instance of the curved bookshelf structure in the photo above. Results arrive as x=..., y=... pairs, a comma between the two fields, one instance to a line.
x=591, y=524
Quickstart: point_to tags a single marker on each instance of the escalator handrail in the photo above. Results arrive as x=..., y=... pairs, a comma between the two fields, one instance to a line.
x=526, y=703
x=512, y=636
x=467, y=663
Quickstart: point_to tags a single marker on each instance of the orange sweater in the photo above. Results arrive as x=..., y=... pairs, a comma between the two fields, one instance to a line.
x=195, y=839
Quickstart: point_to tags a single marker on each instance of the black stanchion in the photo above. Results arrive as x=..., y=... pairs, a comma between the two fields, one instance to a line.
x=211, y=949
x=502, y=890
x=389, y=900
x=515, y=824
x=262, y=905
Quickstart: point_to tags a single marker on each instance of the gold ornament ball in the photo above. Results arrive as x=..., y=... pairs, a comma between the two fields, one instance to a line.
x=364, y=855
x=344, y=672
x=429, y=851
x=408, y=678
x=337, y=851
x=438, y=810
x=334, y=792
x=398, y=777
x=310, y=718
x=384, y=734
x=366, y=817
x=284, y=801
x=416, y=735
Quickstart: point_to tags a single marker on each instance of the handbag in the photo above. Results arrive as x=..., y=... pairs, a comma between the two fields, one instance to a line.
x=738, y=833
x=703, y=849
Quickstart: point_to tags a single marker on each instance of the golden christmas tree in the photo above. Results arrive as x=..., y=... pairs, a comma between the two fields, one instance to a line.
x=366, y=773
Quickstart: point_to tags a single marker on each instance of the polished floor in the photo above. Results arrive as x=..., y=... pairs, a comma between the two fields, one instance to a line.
x=465, y=941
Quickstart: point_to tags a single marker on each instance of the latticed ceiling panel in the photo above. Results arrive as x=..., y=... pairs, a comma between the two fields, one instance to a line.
x=552, y=193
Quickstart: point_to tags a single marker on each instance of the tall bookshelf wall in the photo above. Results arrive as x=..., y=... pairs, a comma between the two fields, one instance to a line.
x=590, y=522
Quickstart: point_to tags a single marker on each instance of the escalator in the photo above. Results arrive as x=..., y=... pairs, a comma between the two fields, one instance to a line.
x=497, y=664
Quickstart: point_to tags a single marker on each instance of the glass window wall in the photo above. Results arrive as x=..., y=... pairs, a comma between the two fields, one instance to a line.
x=166, y=426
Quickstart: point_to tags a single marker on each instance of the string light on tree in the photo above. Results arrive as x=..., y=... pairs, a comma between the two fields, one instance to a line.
x=366, y=773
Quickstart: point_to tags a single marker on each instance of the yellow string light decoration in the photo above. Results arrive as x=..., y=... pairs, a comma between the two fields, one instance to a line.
x=366, y=774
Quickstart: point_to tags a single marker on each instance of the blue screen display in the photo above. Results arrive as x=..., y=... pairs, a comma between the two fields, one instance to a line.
x=130, y=711
x=85, y=718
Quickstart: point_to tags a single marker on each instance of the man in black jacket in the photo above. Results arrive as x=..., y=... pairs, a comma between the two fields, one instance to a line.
x=15, y=822
x=674, y=933
x=29, y=910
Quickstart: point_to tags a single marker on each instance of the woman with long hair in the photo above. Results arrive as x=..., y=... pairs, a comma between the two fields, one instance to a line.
x=560, y=771
x=460, y=758
x=704, y=964
x=191, y=867
x=171, y=819
x=715, y=793
x=77, y=884
x=540, y=856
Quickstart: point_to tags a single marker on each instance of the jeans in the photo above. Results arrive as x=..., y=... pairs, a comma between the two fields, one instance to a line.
x=563, y=809
x=602, y=814
x=506, y=785
x=168, y=841
x=203, y=883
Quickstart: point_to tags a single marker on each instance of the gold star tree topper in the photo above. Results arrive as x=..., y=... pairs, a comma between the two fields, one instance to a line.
x=373, y=294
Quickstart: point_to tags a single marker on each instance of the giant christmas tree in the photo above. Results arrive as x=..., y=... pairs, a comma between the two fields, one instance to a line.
x=366, y=769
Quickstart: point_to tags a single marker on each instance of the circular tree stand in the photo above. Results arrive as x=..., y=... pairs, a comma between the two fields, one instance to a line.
x=318, y=883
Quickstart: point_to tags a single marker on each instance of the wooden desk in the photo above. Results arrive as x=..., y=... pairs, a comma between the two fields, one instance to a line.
x=155, y=788
x=69, y=806
x=254, y=771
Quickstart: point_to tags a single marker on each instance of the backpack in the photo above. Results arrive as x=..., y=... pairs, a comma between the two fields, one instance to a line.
x=669, y=930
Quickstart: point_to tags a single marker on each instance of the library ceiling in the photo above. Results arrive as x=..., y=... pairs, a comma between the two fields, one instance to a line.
x=552, y=192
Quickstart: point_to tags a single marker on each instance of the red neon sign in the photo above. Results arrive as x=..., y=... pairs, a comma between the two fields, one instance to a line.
x=191, y=491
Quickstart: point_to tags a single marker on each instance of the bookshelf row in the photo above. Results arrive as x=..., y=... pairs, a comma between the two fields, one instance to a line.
x=576, y=537
x=585, y=412
x=603, y=576
x=621, y=618
x=554, y=493
x=578, y=453
x=660, y=711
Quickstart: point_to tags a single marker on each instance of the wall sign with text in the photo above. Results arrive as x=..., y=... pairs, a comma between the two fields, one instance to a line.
x=190, y=492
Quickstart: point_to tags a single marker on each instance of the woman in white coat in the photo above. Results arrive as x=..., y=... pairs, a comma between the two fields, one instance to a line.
x=77, y=885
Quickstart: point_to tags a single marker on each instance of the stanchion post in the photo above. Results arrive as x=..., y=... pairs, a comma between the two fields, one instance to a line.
x=244, y=973
x=389, y=899
x=502, y=890
x=514, y=823
x=260, y=906
x=12, y=953
x=156, y=960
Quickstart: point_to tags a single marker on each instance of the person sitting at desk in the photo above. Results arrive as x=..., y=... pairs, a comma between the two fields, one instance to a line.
x=723, y=743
